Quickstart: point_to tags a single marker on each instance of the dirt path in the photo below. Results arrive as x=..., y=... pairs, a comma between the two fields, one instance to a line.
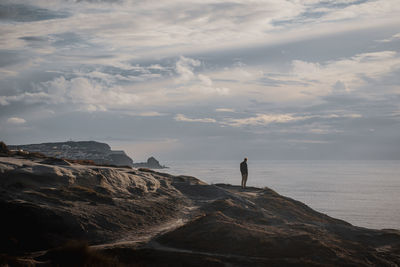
x=143, y=236
x=157, y=246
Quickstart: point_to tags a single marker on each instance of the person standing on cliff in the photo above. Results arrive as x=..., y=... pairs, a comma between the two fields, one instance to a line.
x=244, y=171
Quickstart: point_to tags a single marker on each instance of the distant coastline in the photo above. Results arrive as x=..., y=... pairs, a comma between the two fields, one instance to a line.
x=99, y=153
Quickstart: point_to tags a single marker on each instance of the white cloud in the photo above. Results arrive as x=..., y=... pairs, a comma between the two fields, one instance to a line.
x=334, y=116
x=390, y=39
x=148, y=29
x=91, y=93
x=205, y=80
x=151, y=114
x=306, y=141
x=366, y=10
x=197, y=84
x=318, y=78
x=124, y=58
x=262, y=119
x=307, y=68
x=181, y=117
x=27, y=98
x=100, y=91
x=16, y=121
x=184, y=67
x=265, y=119
x=224, y=110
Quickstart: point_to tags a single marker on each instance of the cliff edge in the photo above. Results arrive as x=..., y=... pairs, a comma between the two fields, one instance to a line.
x=147, y=218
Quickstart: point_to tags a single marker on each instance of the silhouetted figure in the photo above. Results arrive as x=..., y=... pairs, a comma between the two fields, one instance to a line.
x=244, y=171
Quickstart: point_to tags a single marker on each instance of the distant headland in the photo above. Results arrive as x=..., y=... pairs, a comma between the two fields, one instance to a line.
x=99, y=153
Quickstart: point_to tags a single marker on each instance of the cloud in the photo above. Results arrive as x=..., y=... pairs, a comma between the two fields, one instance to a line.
x=306, y=68
x=305, y=141
x=16, y=121
x=266, y=119
x=100, y=88
x=151, y=114
x=262, y=67
x=181, y=117
x=184, y=68
x=339, y=87
x=224, y=110
x=346, y=74
x=198, y=84
x=205, y=80
x=26, y=98
x=364, y=10
x=390, y=39
x=177, y=27
x=90, y=94
x=28, y=13
x=262, y=119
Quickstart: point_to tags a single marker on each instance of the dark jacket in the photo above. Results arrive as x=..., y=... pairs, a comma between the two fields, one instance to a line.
x=243, y=167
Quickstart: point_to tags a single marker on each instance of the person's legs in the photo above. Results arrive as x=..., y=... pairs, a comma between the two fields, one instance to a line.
x=244, y=180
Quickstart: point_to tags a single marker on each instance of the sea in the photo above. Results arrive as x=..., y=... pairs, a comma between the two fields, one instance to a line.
x=363, y=193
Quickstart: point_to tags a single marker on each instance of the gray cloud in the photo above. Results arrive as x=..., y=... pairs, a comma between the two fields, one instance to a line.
x=275, y=79
x=28, y=13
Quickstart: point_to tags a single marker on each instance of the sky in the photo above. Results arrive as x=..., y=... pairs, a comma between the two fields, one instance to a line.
x=196, y=80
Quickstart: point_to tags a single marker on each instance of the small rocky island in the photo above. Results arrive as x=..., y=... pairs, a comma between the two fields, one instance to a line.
x=87, y=215
x=151, y=163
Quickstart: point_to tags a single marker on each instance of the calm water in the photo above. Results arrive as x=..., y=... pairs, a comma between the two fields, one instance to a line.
x=364, y=193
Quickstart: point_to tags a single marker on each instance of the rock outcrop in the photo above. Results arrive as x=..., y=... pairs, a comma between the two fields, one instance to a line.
x=147, y=218
x=100, y=153
x=151, y=163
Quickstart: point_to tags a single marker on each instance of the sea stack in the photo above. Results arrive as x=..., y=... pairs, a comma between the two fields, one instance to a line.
x=151, y=163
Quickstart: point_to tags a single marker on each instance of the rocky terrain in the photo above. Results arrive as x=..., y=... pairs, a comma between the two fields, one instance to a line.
x=139, y=217
x=100, y=153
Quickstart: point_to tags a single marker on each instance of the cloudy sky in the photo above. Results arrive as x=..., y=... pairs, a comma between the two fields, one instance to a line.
x=204, y=79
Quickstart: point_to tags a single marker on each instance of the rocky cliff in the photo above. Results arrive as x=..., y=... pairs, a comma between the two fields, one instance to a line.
x=146, y=218
x=100, y=153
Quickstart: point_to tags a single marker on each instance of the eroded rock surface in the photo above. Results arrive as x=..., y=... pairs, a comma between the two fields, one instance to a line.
x=45, y=205
x=146, y=218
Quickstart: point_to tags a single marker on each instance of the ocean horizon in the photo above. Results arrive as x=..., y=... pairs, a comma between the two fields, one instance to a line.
x=364, y=193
